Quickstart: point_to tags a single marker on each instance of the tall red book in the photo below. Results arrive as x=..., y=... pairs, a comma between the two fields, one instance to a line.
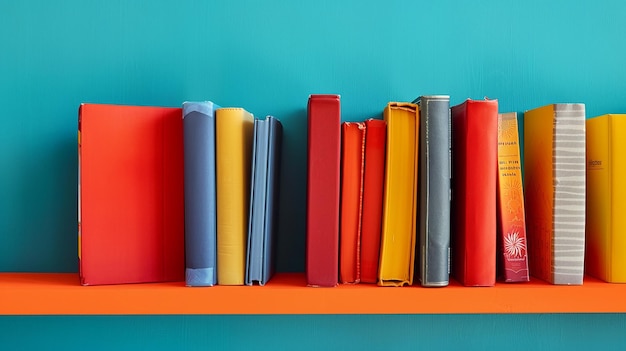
x=130, y=198
x=323, y=185
x=474, y=171
x=373, y=184
x=352, y=167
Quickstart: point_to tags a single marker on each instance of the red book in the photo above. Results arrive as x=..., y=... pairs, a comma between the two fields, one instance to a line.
x=322, y=220
x=474, y=172
x=131, y=203
x=352, y=162
x=373, y=182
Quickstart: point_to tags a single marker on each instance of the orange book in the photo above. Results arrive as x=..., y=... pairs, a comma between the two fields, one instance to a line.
x=352, y=161
x=130, y=198
x=512, y=257
x=373, y=180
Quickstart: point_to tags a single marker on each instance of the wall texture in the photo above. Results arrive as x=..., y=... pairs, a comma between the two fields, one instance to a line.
x=268, y=56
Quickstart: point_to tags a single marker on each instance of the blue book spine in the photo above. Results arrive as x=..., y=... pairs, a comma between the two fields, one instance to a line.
x=200, y=193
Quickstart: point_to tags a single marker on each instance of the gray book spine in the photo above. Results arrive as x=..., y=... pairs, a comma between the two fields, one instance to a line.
x=569, y=194
x=434, y=178
x=200, y=193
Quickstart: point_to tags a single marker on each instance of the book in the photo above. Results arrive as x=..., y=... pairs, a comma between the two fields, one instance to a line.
x=434, y=190
x=473, y=204
x=234, y=128
x=323, y=183
x=373, y=182
x=554, y=177
x=397, y=247
x=200, y=193
x=352, y=169
x=605, y=240
x=131, y=202
x=264, y=189
x=511, y=236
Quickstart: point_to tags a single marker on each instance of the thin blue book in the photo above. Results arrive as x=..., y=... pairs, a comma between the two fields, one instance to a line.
x=265, y=178
x=200, y=193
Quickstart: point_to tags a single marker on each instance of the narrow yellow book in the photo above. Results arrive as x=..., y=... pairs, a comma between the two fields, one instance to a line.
x=234, y=127
x=606, y=198
x=397, y=248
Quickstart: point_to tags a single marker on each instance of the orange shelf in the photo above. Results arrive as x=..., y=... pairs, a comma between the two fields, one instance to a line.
x=286, y=293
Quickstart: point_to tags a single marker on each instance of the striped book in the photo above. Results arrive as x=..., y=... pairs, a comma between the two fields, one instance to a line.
x=554, y=163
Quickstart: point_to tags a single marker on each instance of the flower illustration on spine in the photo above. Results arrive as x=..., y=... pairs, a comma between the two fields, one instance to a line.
x=514, y=246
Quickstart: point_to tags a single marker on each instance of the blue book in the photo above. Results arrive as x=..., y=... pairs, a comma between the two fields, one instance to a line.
x=200, y=193
x=262, y=225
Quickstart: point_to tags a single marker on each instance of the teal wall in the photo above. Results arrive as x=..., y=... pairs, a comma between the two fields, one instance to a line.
x=268, y=56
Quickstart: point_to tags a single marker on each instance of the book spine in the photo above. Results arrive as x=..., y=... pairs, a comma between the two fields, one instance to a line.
x=434, y=190
x=568, y=153
x=199, y=189
x=512, y=252
x=397, y=248
x=234, y=127
x=473, y=245
x=352, y=162
x=273, y=192
x=617, y=226
x=258, y=193
x=323, y=185
x=373, y=181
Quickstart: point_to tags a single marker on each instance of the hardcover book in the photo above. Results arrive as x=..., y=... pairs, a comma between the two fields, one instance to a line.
x=234, y=128
x=512, y=257
x=554, y=176
x=606, y=198
x=131, y=202
x=397, y=248
x=473, y=205
x=352, y=167
x=323, y=183
x=434, y=190
x=373, y=181
x=264, y=190
x=200, y=193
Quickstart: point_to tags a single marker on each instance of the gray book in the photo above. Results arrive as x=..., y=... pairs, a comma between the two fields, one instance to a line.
x=434, y=190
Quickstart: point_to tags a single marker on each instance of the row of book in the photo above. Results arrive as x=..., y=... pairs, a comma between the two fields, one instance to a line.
x=167, y=194
x=438, y=191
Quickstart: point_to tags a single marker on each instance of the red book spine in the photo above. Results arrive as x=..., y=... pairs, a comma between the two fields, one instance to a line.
x=474, y=155
x=352, y=162
x=373, y=181
x=322, y=221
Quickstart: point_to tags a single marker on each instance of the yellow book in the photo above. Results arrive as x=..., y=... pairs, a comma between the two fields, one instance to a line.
x=233, y=147
x=397, y=248
x=554, y=180
x=605, y=256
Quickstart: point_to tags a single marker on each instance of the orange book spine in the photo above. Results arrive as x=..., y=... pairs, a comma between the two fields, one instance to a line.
x=511, y=218
x=373, y=181
x=352, y=154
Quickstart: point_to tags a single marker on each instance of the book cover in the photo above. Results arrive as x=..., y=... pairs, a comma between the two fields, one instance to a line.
x=131, y=202
x=373, y=182
x=605, y=239
x=554, y=177
x=200, y=193
x=264, y=188
x=352, y=169
x=473, y=204
x=434, y=190
x=512, y=253
x=397, y=247
x=234, y=128
x=323, y=185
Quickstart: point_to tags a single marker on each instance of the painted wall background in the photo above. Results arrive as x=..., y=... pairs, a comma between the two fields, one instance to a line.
x=268, y=56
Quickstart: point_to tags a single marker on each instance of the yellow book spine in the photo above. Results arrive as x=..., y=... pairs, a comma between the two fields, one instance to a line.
x=234, y=127
x=397, y=251
x=617, y=163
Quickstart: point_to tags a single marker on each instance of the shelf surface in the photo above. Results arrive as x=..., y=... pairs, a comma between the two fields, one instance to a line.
x=286, y=293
